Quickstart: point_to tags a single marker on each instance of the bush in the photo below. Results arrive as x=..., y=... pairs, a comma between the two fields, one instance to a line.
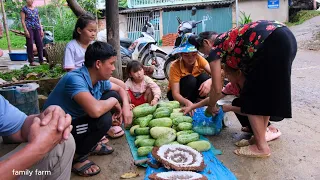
x=244, y=19
x=302, y=16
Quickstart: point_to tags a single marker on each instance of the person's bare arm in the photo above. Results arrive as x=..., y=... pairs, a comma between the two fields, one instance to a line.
x=206, y=86
x=23, y=18
x=95, y=108
x=175, y=88
x=216, y=87
x=126, y=110
x=236, y=109
x=22, y=134
x=204, y=102
x=117, y=82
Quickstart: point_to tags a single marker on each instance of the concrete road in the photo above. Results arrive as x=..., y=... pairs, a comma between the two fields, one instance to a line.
x=295, y=155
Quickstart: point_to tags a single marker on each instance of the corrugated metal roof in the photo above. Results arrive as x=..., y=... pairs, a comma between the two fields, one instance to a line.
x=227, y=2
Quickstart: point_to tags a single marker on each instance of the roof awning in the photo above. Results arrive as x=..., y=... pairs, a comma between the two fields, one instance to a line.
x=156, y=8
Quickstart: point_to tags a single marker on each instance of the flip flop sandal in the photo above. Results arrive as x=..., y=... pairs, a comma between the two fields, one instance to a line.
x=246, y=152
x=103, y=150
x=270, y=136
x=81, y=171
x=242, y=143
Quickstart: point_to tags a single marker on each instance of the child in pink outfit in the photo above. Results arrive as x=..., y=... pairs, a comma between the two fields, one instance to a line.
x=141, y=88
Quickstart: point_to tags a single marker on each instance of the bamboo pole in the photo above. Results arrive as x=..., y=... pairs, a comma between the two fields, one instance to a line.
x=5, y=25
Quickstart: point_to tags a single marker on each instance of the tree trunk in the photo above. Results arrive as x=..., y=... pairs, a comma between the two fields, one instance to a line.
x=6, y=25
x=76, y=8
x=112, y=25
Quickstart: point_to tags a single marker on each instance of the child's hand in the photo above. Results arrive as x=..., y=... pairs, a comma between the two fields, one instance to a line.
x=132, y=106
x=153, y=102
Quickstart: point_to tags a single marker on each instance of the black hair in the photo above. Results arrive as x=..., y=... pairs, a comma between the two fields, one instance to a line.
x=98, y=51
x=82, y=22
x=134, y=66
x=197, y=41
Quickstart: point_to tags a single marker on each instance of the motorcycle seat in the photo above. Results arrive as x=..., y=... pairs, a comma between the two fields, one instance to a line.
x=125, y=42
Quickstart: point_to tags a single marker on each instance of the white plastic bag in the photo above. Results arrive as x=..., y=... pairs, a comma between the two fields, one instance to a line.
x=27, y=87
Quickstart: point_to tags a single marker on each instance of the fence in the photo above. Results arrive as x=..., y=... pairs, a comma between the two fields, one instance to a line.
x=136, y=21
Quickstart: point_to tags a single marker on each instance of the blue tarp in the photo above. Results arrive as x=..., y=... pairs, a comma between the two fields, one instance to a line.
x=214, y=168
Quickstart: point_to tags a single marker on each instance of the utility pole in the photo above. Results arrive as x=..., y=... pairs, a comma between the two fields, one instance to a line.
x=112, y=25
x=5, y=25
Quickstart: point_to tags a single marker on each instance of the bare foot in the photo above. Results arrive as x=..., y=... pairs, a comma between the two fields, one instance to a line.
x=251, y=140
x=103, y=140
x=254, y=148
x=92, y=169
x=34, y=64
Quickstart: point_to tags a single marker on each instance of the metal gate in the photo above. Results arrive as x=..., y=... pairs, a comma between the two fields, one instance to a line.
x=215, y=19
x=136, y=21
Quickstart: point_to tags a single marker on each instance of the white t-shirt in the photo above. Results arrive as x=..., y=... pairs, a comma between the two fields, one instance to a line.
x=102, y=35
x=73, y=55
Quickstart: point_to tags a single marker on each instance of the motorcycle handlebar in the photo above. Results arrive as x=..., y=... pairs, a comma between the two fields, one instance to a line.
x=199, y=22
x=179, y=20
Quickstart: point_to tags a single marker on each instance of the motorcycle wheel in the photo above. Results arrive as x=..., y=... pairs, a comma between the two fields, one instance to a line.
x=158, y=73
x=167, y=66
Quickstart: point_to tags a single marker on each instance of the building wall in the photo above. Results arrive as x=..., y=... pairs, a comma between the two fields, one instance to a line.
x=40, y=2
x=123, y=32
x=259, y=10
x=214, y=19
x=122, y=25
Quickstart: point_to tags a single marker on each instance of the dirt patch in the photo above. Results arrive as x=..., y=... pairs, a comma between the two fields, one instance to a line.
x=163, y=84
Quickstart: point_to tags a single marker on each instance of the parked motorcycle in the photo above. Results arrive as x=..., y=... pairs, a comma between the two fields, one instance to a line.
x=184, y=27
x=145, y=50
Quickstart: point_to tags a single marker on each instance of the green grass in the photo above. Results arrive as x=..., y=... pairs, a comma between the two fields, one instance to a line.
x=17, y=42
x=303, y=16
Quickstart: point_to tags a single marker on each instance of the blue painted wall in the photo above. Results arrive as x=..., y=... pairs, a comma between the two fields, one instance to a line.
x=217, y=19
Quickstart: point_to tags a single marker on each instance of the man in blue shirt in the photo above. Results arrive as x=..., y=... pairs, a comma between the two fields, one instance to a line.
x=42, y=152
x=93, y=102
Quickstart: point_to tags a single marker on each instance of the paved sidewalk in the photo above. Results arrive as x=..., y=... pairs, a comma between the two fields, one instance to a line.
x=6, y=64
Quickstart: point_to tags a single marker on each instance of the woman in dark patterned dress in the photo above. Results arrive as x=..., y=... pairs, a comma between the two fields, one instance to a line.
x=33, y=31
x=263, y=51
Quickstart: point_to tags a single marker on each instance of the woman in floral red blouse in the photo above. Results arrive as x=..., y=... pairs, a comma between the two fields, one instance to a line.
x=263, y=51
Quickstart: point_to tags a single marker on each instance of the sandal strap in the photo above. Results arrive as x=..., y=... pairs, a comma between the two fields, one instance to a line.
x=103, y=150
x=81, y=171
x=85, y=167
x=80, y=159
